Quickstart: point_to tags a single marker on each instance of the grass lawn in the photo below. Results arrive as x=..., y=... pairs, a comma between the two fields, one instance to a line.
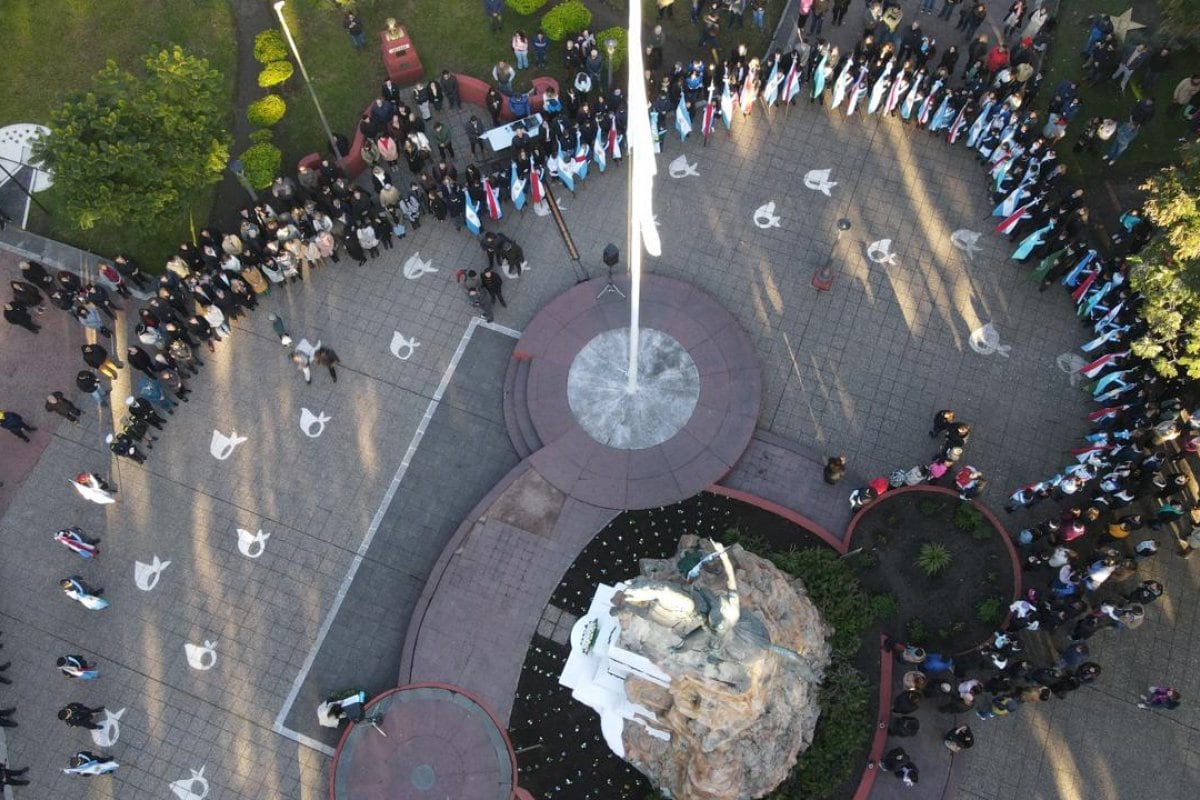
x=55, y=46
x=1156, y=145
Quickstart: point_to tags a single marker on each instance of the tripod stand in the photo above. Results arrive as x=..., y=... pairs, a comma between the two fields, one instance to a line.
x=611, y=257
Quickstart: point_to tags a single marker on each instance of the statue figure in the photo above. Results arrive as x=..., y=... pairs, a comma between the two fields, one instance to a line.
x=394, y=31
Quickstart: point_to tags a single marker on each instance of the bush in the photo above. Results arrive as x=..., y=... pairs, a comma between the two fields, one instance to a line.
x=261, y=163
x=884, y=606
x=843, y=731
x=621, y=37
x=261, y=135
x=990, y=611
x=566, y=19
x=928, y=507
x=915, y=631
x=269, y=46
x=968, y=518
x=266, y=111
x=275, y=73
x=525, y=7
x=834, y=589
x=933, y=558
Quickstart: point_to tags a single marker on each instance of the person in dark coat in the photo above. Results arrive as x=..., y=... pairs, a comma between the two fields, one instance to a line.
x=77, y=715
x=27, y=294
x=35, y=273
x=494, y=285
x=57, y=403
x=15, y=424
x=139, y=359
x=16, y=314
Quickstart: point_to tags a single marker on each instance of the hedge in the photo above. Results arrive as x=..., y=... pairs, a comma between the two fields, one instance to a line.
x=269, y=46
x=275, y=73
x=260, y=164
x=622, y=39
x=565, y=19
x=266, y=111
x=525, y=7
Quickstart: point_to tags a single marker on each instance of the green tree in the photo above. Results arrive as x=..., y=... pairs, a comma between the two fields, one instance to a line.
x=1180, y=18
x=1168, y=272
x=130, y=147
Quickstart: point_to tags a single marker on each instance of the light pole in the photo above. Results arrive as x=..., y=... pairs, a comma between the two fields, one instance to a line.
x=304, y=74
x=611, y=46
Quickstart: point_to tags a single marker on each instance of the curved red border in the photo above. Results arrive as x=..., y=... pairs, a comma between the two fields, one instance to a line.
x=782, y=511
x=516, y=794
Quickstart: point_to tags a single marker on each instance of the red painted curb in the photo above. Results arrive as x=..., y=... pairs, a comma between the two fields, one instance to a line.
x=879, y=740
x=781, y=511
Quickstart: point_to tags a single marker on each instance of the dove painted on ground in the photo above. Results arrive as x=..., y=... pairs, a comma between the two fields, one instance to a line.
x=202, y=657
x=415, y=267
x=250, y=544
x=680, y=168
x=764, y=216
x=145, y=576
x=403, y=346
x=967, y=241
x=881, y=252
x=1071, y=363
x=986, y=341
x=818, y=180
x=222, y=446
x=308, y=421
x=193, y=788
x=110, y=729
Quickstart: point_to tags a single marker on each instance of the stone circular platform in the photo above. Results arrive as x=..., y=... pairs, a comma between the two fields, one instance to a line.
x=712, y=437
x=441, y=742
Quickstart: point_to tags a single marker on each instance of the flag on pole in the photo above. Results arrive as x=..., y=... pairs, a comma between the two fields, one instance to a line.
x=598, y=152
x=493, y=200
x=614, y=141
x=580, y=167
x=683, y=120
x=727, y=106
x=749, y=93
x=710, y=117
x=771, y=92
x=564, y=172
x=791, y=84
x=471, y=213
x=535, y=186
x=516, y=189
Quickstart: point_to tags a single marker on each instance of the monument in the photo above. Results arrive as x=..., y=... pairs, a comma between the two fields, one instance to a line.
x=705, y=671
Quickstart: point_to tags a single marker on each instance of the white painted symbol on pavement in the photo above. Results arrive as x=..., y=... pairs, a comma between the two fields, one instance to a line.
x=222, y=446
x=986, y=340
x=403, y=344
x=414, y=267
x=1071, y=363
x=201, y=657
x=309, y=421
x=110, y=729
x=764, y=216
x=966, y=240
x=881, y=252
x=250, y=544
x=818, y=180
x=680, y=168
x=193, y=788
x=145, y=576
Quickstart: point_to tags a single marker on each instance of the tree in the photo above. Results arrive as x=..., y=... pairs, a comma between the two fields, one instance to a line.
x=1168, y=273
x=131, y=147
x=1180, y=18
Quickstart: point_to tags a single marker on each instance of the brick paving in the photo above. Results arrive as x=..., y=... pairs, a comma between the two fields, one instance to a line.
x=857, y=370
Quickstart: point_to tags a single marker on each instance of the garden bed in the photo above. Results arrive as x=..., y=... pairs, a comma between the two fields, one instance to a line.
x=560, y=751
x=957, y=607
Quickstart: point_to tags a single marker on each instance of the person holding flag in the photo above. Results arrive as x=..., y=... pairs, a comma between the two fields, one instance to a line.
x=771, y=91
x=750, y=87
x=710, y=114
x=471, y=213
x=598, y=154
x=516, y=188
x=683, y=119
x=580, y=165
x=563, y=166
x=492, y=196
x=727, y=105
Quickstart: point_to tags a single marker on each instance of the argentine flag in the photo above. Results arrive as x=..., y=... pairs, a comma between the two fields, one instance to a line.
x=517, y=188
x=598, y=152
x=471, y=213
x=726, y=107
x=564, y=172
x=683, y=120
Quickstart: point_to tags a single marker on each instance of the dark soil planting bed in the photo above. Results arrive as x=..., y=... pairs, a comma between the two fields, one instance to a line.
x=951, y=609
x=561, y=754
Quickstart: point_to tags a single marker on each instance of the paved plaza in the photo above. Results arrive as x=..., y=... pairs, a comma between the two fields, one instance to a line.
x=212, y=665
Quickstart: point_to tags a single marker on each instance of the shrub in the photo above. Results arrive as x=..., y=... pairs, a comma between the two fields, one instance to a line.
x=933, y=558
x=618, y=35
x=266, y=111
x=525, y=7
x=566, y=19
x=968, y=518
x=990, y=611
x=884, y=606
x=928, y=507
x=842, y=732
x=834, y=590
x=261, y=163
x=261, y=135
x=269, y=46
x=275, y=73
x=915, y=631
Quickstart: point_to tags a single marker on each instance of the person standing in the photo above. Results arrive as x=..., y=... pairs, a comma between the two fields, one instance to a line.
x=27, y=295
x=666, y=8
x=481, y=302
x=77, y=715
x=15, y=424
x=8, y=777
x=541, y=48
x=354, y=27
x=89, y=383
x=494, y=285
x=57, y=403
x=88, y=317
x=121, y=445
x=960, y=738
x=493, y=8
x=942, y=422
x=96, y=357
x=474, y=133
x=520, y=48
x=326, y=357
x=16, y=314
x=139, y=359
x=143, y=411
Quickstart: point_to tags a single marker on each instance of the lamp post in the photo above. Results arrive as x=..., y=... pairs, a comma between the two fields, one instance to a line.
x=610, y=45
x=304, y=74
